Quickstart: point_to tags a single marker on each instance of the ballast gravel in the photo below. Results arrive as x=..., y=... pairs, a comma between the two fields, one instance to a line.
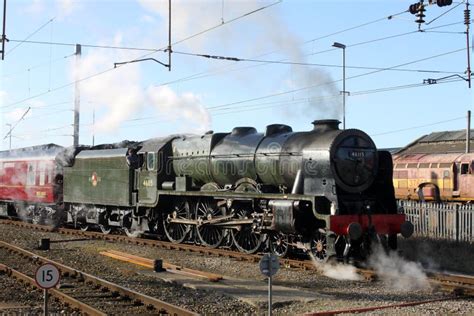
x=330, y=292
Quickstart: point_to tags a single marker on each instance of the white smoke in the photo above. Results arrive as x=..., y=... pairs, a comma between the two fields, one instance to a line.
x=119, y=90
x=337, y=271
x=269, y=31
x=187, y=106
x=398, y=273
x=324, y=95
x=122, y=94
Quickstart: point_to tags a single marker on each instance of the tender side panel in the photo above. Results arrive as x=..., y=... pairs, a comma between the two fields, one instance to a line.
x=100, y=177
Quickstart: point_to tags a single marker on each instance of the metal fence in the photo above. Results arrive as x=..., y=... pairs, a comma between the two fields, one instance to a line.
x=443, y=221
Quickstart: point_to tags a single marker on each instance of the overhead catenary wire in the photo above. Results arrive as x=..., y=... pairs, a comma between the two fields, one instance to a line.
x=36, y=66
x=295, y=63
x=419, y=126
x=88, y=45
x=272, y=104
x=250, y=108
x=140, y=57
x=445, y=12
x=16, y=123
x=30, y=35
x=221, y=70
x=335, y=81
x=228, y=21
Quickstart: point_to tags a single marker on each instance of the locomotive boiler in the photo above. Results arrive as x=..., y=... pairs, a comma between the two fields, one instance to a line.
x=326, y=190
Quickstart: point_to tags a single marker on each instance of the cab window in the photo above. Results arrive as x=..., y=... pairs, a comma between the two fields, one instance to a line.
x=464, y=168
x=151, y=161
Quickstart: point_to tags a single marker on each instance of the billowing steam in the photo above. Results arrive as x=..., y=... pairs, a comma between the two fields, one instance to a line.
x=187, y=106
x=336, y=271
x=323, y=97
x=119, y=90
x=398, y=273
x=269, y=32
x=122, y=94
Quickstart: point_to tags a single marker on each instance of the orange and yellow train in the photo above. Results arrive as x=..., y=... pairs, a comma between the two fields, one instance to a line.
x=447, y=177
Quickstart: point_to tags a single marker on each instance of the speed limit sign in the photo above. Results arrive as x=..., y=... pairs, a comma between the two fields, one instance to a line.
x=47, y=276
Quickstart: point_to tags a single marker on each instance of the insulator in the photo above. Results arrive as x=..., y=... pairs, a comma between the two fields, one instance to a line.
x=467, y=17
x=413, y=8
x=442, y=3
x=420, y=20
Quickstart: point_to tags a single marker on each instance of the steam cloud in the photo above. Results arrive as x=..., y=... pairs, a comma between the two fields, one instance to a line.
x=120, y=92
x=337, y=271
x=268, y=30
x=398, y=273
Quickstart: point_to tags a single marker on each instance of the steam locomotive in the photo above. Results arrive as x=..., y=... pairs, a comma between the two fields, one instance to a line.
x=328, y=191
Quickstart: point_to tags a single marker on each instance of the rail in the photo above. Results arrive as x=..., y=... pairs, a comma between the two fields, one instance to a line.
x=72, y=302
x=160, y=306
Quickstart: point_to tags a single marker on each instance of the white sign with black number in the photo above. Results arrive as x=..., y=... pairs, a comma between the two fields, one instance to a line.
x=47, y=276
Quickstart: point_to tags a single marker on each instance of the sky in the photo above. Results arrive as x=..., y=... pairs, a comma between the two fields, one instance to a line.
x=287, y=70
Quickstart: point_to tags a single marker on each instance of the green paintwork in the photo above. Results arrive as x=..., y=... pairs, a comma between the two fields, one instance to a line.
x=147, y=190
x=99, y=180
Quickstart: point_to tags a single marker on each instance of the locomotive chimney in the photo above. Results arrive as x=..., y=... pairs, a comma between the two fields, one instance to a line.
x=326, y=125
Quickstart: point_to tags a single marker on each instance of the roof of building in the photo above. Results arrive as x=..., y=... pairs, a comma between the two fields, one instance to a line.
x=439, y=142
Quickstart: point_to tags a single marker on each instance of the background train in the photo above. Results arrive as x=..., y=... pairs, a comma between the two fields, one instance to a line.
x=327, y=190
x=435, y=167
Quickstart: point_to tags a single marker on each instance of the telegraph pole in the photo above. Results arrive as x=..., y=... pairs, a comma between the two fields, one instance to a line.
x=169, y=35
x=467, y=21
x=77, y=104
x=4, y=22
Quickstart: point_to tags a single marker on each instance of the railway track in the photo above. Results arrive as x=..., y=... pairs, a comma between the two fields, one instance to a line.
x=87, y=293
x=289, y=263
x=457, y=284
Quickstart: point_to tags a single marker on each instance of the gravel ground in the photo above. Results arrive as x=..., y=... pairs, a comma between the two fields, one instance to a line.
x=26, y=300
x=330, y=294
